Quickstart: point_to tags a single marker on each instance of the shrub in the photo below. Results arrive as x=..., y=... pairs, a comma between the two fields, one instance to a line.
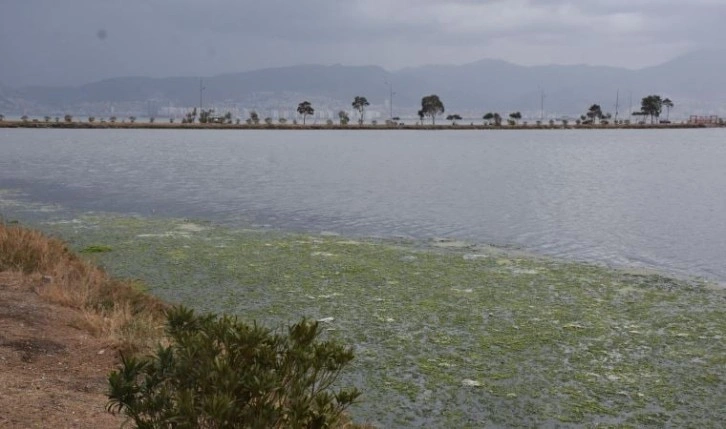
x=219, y=372
x=254, y=117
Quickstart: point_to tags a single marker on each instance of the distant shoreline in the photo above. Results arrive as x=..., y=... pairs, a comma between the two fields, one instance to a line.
x=447, y=127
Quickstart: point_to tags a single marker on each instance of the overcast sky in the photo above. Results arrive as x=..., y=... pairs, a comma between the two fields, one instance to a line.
x=77, y=41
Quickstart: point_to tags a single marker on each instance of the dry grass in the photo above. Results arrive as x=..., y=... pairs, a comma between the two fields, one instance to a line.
x=116, y=310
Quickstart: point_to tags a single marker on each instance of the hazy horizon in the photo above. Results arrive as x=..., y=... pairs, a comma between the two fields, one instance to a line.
x=86, y=40
x=389, y=70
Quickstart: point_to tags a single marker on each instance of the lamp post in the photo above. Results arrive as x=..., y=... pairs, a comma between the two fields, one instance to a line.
x=391, y=94
x=201, y=92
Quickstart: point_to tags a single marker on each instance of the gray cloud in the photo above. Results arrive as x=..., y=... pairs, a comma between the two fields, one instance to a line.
x=75, y=41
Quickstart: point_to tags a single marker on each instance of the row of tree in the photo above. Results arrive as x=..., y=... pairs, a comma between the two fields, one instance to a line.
x=650, y=107
x=431, y=106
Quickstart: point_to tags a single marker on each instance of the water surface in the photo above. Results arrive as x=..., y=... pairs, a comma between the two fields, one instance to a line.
x=649, y=198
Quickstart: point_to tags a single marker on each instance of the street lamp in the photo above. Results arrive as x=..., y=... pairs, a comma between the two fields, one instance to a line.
x=391, y=94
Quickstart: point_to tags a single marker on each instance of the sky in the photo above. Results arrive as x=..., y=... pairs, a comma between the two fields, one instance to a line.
x=71, y=42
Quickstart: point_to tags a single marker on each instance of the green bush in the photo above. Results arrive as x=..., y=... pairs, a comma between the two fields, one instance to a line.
x=221, y=373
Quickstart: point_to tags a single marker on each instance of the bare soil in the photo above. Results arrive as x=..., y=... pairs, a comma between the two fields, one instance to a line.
x=52, y=373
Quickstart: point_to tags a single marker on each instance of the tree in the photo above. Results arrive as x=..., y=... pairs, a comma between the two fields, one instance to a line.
x=282, y=121
x=68, y=118
x=668, y=104
x=228, y=117
x=488, y=117
x=205, y=116
x=268, y=121
x=639, y=113
x=497, y=119
x=431, y=106
x=92, y=119
x=594, y=113
x=343, y=117
x=112, y=119
x=132, y=119
x=223, y=373
x=421, y=116
x=254, y=117
x=152, y=119
x=453, y=118
x=652, y=106
x=45, y=118
x=305, y=109
x=516, y=116
x=359, y=104
x=2, y=118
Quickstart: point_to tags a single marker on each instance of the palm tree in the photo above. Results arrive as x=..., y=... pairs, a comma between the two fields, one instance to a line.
x=305, y=109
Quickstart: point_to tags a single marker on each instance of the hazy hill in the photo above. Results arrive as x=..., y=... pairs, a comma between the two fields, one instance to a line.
x=692, y=81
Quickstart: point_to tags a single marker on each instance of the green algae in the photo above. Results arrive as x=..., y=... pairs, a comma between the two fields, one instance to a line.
x=451, y=336
x=96, y=248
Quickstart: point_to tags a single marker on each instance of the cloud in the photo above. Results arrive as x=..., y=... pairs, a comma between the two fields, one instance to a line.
x=80, y=40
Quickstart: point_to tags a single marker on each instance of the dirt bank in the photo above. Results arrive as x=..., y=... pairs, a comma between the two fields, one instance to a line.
x=52, y=371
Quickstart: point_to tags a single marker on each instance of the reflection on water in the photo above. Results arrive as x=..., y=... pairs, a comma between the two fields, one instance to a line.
x=649, y=199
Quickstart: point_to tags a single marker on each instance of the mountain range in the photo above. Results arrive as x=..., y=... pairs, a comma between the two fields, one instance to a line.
x=693, y=82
